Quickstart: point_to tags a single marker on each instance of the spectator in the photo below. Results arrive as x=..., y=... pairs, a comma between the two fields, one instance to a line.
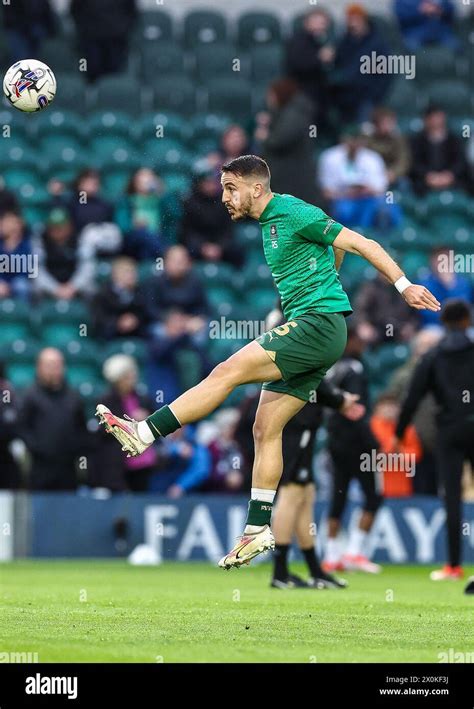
x=425, y=22
x=9, y=472
x=234, y=142
x=112, y=469
x=177, y=286
x=19, y=265
x=8, y=200
x=66, y=265
x=103, y=29
x=444, y=283
x=52, y=424
x=186, y=464
x=354, y=180
x=176, y=302
x=284, y=136
x=447, y=371
x=386, y=140
x=358, y=92
x=438, y=159
x=397, y=472
x=206, y=230
x=381, y=315
x=119, y=309
x=27, y=25
x=424, y=482
x=226, y=470
x=139, y=215
x=310, y=57
x=86, y=206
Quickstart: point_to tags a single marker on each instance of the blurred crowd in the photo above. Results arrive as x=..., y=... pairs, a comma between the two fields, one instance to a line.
x=54, y=445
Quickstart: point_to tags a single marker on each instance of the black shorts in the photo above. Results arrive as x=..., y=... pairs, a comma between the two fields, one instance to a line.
x=298, y=449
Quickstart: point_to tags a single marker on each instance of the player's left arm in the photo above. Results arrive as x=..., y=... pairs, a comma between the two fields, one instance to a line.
x=338, y=257
x=416, y=296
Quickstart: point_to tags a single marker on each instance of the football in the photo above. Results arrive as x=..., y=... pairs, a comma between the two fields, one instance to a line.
x=29, y=85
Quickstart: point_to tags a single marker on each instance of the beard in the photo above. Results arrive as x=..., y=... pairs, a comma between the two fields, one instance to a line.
x=244, y=210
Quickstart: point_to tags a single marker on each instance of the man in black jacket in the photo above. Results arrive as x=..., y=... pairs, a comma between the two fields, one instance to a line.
x=447, y=371
x=52, y=424
x=348, y=441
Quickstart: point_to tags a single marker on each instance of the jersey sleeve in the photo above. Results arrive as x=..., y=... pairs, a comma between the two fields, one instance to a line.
x=314, y=225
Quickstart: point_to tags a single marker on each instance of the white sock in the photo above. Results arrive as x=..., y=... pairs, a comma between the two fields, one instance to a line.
x=258, y=493
x=333, y=553
x=357, y=541
x=145, y=432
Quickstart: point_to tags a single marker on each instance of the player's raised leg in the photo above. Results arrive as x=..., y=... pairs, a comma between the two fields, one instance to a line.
x=274, y=411
x=250, y=364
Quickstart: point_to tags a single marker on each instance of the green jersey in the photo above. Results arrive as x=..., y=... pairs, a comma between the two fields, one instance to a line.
x=297, y=239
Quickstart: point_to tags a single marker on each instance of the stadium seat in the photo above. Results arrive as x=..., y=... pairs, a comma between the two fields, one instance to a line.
x=107, y=123
x=254, y=28
x=256, y=275
x=219, y=60
x=267, y=62
x=174, y=94
x=58, y=143
x=132, y=346
x=404, y=98
x=166, y=124
x=21, y=374
x=204, y=27
x=59, y=53
x=433, y=63
x=107, y=149
x=56, y=121
x=179, y=182
x=165, y=154
x=118, y=92
x=72, y=93
x=206, y=130
x=215, y=273
x=153, y=26
x=160, y=60
x=21, y=125
x=231, y=95
x=453, y=96
x=115, y=181
x=261, y=300
x=415, y=263
x=21, y=180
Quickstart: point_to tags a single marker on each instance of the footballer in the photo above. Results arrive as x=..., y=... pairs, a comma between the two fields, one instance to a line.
x=303, y=248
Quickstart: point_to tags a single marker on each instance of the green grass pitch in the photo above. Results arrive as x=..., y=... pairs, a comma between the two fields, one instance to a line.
x=108, y=611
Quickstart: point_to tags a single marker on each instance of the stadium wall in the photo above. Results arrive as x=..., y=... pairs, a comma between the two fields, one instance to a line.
x=203, y=527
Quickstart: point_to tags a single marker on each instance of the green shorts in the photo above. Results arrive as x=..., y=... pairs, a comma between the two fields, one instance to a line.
x=303, y=350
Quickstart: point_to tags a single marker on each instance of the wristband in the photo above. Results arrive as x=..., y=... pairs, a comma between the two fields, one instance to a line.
x=402, y=283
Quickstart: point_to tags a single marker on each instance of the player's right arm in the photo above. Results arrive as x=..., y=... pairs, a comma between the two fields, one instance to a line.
x=416, y=296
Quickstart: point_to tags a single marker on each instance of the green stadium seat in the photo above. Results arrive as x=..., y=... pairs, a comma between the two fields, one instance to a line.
x=72, y=93
x=22, y=180
x=56, y=122
x=107, y=123
x=212, y=60
x=21, y=124
x=132, y=346
x=433, y=63
x=207, y=128
x=248, y=232
x=62, y=321
x=158, y=60
x=83, y=376
x=404, y=98
x=119, y=92
x=454, y=96
x=231, y=96
x=59, y=143
x=174, y=93
x=254, y=28
x=21, y=374
x=215, y=273
x=166, y=125
x=13, y=330
x=256, y=275
x=220, y=297
x=82, y=351
x=414, y=263
x=204, y=27
x=19, y=350
x=267, y=62
x=108, y=149
x=59, y=53
x=179, y=182
x=153, y=26
x=115, y=181
x=260, y=301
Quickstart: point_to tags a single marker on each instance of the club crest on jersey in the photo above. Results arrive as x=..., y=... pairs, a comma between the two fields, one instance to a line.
x=274, y=236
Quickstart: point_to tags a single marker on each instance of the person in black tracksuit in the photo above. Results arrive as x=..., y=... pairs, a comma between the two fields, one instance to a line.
x=447, y=370
x=347, y=442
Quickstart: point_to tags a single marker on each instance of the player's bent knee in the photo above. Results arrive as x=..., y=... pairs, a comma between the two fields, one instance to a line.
x=227, y=372
x=265, y=430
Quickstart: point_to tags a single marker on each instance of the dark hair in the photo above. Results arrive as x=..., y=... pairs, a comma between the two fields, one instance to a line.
x=455, y=311
x=284, y=90
x=246, y=165
x=432, y=108
x=87, y=172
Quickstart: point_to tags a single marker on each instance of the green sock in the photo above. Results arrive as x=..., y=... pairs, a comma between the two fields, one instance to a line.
x=163, y=422
x=259, y=513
